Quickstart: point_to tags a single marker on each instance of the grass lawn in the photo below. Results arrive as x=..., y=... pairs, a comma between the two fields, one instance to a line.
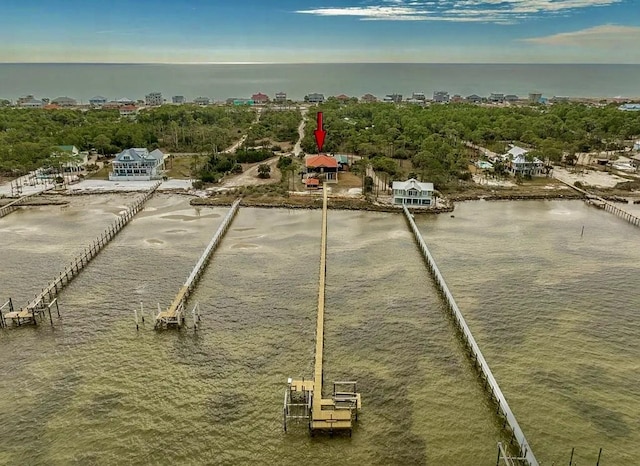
x=101, y=174
x=179, y=167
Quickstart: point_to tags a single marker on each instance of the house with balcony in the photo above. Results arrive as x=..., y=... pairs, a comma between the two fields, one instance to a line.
x=281, y=97
x=314, y=98
x=64, y=102
x=368, y=99
x=153, y=99
x=518, y=163
x=202, y=101
x=137, y=164
x=441, y=97
x=260, y=99
x=178, y=99
x=413, y=193
x=322, y=167
x=97, y=101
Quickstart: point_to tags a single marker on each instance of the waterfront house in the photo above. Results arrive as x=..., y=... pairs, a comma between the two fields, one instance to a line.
x=518, y=163
x=441, y=96
x=97, y=101
x=74, y=160
x=153, y=99
x=412, y=192
x=629, y=107
x=31, y=103
x=137, y=164
x=178, y=99
x=368, y=98
x=511, y=98
x=496, y=97
x=418, y=96
x=393, y=98
x=314, y=98
x=260, y=98
x=324, y=166
x=281, y=97
x=128, y=110
x=202, y=101
x=64, y=102
x=474, y=99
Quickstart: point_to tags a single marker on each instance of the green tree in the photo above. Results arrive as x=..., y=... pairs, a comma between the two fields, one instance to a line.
x=264, y=171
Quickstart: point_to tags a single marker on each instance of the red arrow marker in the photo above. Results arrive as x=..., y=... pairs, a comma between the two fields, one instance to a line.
x=320, y=133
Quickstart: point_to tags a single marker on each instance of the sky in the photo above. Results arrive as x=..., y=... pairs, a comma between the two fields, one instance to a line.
x=320, y=31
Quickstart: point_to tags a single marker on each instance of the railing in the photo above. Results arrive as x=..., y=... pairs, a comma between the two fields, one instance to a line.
x=476, y=354
x=70, y=272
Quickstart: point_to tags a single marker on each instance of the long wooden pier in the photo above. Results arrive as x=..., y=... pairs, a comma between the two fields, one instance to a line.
x=491, y=385
x=303, y=398
x=174, y=314
x=43, y=301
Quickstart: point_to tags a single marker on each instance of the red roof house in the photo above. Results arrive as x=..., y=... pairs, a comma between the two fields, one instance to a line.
x=325, y=166
x=260, y=98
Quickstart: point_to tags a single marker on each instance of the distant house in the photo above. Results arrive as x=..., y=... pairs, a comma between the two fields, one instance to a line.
x=456, y=98
x=64, y=102
x=441, y=96
x=519, y=164
x=281, y=97
x=314, y=98
x=31, y=103
x=97, y=101
x=178, y=99
x=418, y=96
x=323, y=166
x=238, y=102
x=368, y=98
x=629, y=107
x=496, y=97
x=128, y=110
x=636, y=146
x=202, y=101
x=511, y=98
x=74, y=159
x=260, y=98
x=393, y=98
x=153, y=99
x=474, y=98
x=412, y=192
x=534, y=97
x=137, y=164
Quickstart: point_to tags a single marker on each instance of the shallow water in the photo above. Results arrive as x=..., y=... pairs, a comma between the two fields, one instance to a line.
x=554, y=313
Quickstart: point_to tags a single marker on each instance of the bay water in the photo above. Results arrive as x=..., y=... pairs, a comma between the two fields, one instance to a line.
x=554, y=312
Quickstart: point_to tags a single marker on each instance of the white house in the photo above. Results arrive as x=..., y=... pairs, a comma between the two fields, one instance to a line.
x=153, y=99
x=517, y=163
x=97, y=101
x=202, y=101
x=412, y=192
x=137, y=164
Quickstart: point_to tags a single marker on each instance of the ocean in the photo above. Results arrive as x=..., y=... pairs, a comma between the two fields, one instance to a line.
x=221, y=81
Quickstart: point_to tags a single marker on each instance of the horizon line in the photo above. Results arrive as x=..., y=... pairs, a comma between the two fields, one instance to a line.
x=310, y=63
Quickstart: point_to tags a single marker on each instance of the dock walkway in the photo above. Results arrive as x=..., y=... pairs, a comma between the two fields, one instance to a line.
x=517, y=435
x=42, y=302
x=304, y=398
x=174, y=314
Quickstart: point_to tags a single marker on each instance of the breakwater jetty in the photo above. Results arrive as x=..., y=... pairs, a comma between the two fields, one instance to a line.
x=518, y=439
x=174, y=315
x=44, y=301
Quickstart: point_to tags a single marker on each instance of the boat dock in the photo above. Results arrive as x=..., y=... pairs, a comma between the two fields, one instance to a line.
x=174, y=315
x=303, y=399
x=43, y=302
x=518, y=441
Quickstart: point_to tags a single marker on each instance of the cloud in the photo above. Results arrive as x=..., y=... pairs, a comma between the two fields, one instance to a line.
x=605, y=36
x=488, y=11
